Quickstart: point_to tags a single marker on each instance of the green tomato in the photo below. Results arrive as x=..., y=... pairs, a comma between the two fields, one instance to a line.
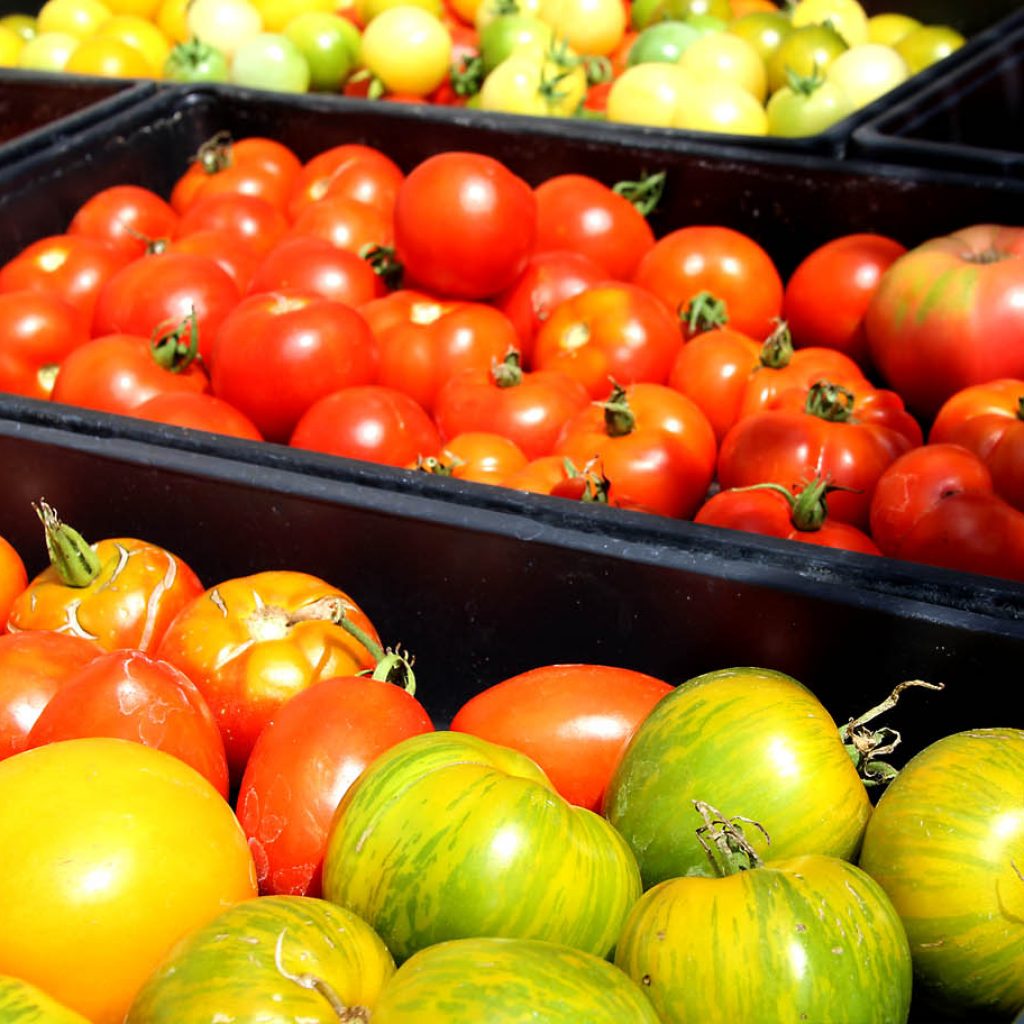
x=764, y=30
x=270, y=61
x=196, y=61
x=804, y=51
x=506, y=33
x=23, y=24
x=807, y=106
x=924, y=46
x=664, y=42
x=330, y=44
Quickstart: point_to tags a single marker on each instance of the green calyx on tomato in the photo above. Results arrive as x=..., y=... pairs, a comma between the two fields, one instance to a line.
x=703, y=312
x=619, y=418
x=384, y=264
x=176, y=348
x=830, y=402
x=467, y=76
x=214, y=155
x=71, y=556
x=509, y=372
x=588, y=484
x=196, y=61
x=808, y=508
x=726, y=846
x=777, y=350
x=645, y=193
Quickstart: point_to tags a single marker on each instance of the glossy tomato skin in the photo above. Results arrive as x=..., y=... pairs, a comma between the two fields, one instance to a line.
x=946, y=842
x=226, y=248
x=315, y=266
x=346, y=223
x=127, y=215
x=352, y=170
x=464, y=225
x=22, y=1001
x=700, y=946
x=258, y=222
x=476, y=455
x=573, y=720
x=948, y=314
x=752, y=740
x=131, y=696
x=478, y=844
x=301, y=765
x=13, y=579
x=198, y=411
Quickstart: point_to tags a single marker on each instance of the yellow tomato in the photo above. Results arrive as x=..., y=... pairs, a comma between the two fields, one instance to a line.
x=889, y=29
x=528, y=82
x=724, y=55
x=11, y=45
x=112, y=851
x=648, y=94
x=78, y=18
x=588, y=26
x=48, y=51
x=367, y=10
x=277, y=13
x=172, y=20
x=408, y=49
x=137, y=8
x=140, y=34
x=847, y=17
x=108, y=58
x=720, y=105
x=23, y=24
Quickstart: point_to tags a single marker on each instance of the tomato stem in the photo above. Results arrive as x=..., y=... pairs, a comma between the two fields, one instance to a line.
x=509, y=372
x=396, y=667
x=644, y=194
x=214, y=154
x=169, y=347
x=724, y=842
x=830, y=402
x=704, y=312
x=619, y=419
x=384, y=264
x=777, y=350
x=71, y=556
x=346, y=1014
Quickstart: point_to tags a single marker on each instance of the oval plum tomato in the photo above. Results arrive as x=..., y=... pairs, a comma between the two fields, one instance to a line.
x=252, y=642
x=827, y=295
x=654, y=446
x=37, y=332
x=131, y=696
x=13, y=579
x=315, y=746
x=166, y=288
x=228, y=249
x=258, y=221
x=582, y=214
x=728, y=264
x=464, y=225
x=127, y=215
x=346, y=223
x=197, y=411
x=372, y=422
x=573, y=720
x=315, y=267
x=352, y=170
x=120, y=591
x=91, y=812
x=948, y=314
x=528, y=408
x=988, y=419
x=612, y=333
x=475, y=455
x=277, y=353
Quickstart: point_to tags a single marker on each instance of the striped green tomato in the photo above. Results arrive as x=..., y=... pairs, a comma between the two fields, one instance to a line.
x=809, y=938
x=946, y=842
x=750, y=739
x=510, y=981
x=448, y=836
x=275, y=960
x=22, y=1003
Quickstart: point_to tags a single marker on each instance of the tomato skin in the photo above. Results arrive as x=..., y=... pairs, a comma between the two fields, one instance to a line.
x=945, y=842
x=476, y=455
x=127, y=215
x=257, y=221
x=464, y=225
x=809, y=801
x=198, y=411
x=352, y=170
x=37, y=331
x=346, y=223
x=315, y=746
x=572, y=720
x=930, y=342
x=21, y=1001
x=316, y=267
x=226, y=248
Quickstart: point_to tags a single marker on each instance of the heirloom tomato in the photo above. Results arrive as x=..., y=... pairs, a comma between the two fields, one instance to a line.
x=127, y=215
x=198, y=411
x=314, y=266
x=23, y=1003
x=251, y=642
x=448, y=836
x=948, y=314
x=13, y=579
x=573, y=720
x=749, y=738
x=89, y=909
x=121, y=592
x=946, y=842
x=278, y=960
x=465, y=981
x=351, y=170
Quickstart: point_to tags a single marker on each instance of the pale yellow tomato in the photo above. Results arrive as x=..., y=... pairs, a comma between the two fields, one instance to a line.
x=11, y=45
x=867, y=71
x=723, y=55
x=224, y=24
x=109, y=58
x=408, y=49
x=926, y=45
x=139, y=33
x=536, y=80
x=847, y=17
x=888, y=29
x=277, y=13
x=23, y=24
x=589, y=26
x=172, y=19
x=513, y=87
x=720, y=105
x=78, y=18
x=488, y=10
x=649, y=94
x=367, y=10
x=48, y=51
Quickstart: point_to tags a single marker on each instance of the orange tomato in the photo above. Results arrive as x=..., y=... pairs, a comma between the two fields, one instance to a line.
x=13, y=580
x=479, y=456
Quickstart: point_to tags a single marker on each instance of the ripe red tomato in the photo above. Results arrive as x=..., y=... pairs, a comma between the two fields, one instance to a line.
x=352, y=170
x=346, y=223
x=316, y=267
x=557, y=476
x=572, y=720
x=129, y=695
x=13, y=579
x=226, y=248
x=128, y=215
x=277, y=353
x=199, y=411
x=464, y=225
x=726, y=263
x=257, y=221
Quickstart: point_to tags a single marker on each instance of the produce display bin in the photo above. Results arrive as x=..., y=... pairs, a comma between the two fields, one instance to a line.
x=969, y=119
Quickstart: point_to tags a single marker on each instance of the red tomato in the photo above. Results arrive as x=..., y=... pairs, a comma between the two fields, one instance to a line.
x=351, y=170
x=13, y=579
x=129, y=216
x=464, y=225
x=726, y=263
x=528, y=408
x=346, y=223
x=198, y=411
x=33, y=667
x=475, y=455
x=257, y=221
x=555, y=475
x=303, y=762
x=131, y=696
x=374, y=423
x=614, y=333
x=654, y=446
x=37, y=331
x=948, y=314
x=826, y=297
x=277, y=353
x=235, y=256
x=572, y=720
x=316, y=267
x=580, y=213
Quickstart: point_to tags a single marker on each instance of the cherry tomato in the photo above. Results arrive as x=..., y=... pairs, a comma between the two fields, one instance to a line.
x=197, y=411
x=127, y=215
x=315, y=267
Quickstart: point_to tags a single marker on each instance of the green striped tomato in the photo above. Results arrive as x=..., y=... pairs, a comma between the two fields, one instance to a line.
x=507, y=981
x=752, y=740
x=257, y=961
x=809, y=938
x=450, y=836
x=946, y=842
x=22, y=1003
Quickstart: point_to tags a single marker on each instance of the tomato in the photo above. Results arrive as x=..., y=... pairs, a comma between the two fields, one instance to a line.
x=226, y=248
x=315, y=267
x=257, y=221
x=828, y=293
x=478, y=844
x=555, y=475
x=648, y=94
x=81, y=18
x=251, y=642
x=310, y=752
x=225, y=24
x=141, y=34
x=37, y=331
x=506, y=33
x=351, y=170
x=948, y=314
x=763, y=29
x=108, y=58
x=662, y=41
x=464, y=225
x=945, y=843
x=847, y=17
x=47, y=51
x=926, y=45
x=867, y=71
x=407, y=48
x=792, y=773
x=588, y=26
x=806, y=105
x=720, y=105
x=21, y=1001
x=654, y=445
x=264, y=954
x=477, y=456
x=538, y=77
x=580, y=213
x=723, y=55
x=573, y=720
x=330, y=45
x=197, y=411
x=489, y=979
x=195, y=61
x=346, y=223
x=91, y=813
x=730, y=265
x=270, y=60
x=127, y=215
x=805, y=50
x=528, y=408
